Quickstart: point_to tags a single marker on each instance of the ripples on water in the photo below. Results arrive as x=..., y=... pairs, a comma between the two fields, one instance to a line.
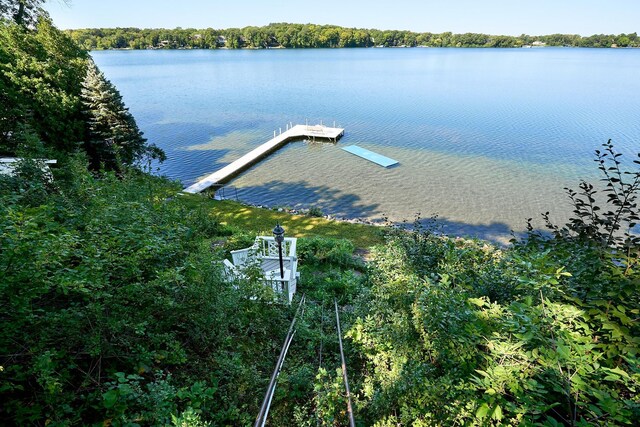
x=485, y=137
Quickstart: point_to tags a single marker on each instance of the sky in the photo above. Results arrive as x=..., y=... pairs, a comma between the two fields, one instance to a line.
x=498, y=17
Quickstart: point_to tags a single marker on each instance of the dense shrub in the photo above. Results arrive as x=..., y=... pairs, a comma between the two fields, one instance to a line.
x=315, y=212
x=319, y=251
x=112, y=309
x=543, y=333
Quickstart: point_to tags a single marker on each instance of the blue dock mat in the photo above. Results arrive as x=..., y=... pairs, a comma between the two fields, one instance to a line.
x=370, y=155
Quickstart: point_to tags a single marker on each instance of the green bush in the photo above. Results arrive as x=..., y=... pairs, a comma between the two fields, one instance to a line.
x=31, y=183
x=315, y=212
x=318, y=251
x=112, y=309
x=115, y=311
x=543, y=333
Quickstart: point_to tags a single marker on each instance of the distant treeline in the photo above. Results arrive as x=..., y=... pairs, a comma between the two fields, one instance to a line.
x=285, y=35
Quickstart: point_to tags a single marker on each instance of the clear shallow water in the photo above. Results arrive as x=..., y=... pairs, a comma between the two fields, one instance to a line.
x=485, y=137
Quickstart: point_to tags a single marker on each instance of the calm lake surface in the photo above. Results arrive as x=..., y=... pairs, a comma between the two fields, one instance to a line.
x=485, y=137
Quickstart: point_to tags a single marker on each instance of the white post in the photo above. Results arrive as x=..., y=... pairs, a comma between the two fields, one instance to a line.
x=274, y=133
x=280, y=131
x=334, y=123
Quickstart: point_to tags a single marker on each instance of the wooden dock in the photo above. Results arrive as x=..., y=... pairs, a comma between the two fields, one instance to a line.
x=252, y=157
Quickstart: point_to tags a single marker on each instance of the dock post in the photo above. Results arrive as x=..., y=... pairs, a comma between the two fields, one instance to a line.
x=274, y=133
x=280, y=131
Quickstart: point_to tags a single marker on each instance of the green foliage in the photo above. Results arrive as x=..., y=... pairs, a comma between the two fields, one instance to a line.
x=239, y=240
x=22, y=12
x=315, y=212
x=57, y=102
x=41, y=70
x=440, y=352
x=610, y=222
x=316, y=251
x=188, y=418
x=30, y=183
x=250, y=219
x=113, y=310
x=320, y=36
x=329, y=268
x=543, y=333
x=329, y=398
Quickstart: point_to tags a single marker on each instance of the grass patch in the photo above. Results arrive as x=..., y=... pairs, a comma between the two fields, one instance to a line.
x=262, y=221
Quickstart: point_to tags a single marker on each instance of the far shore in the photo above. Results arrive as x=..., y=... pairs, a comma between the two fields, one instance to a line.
x=369, y=47
x=312, y=36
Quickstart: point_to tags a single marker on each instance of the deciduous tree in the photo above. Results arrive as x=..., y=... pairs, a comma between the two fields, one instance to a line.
x=22, y=12
x=40, y=71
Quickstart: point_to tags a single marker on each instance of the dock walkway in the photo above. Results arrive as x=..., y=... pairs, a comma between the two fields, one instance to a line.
x=252, y=157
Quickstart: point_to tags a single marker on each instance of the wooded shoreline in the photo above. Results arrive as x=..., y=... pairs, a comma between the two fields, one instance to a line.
x=284, y=35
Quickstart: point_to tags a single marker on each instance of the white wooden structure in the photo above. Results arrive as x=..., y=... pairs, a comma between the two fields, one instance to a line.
x=264, y=254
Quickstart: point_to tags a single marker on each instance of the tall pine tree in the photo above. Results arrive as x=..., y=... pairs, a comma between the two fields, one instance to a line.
x=114, y=138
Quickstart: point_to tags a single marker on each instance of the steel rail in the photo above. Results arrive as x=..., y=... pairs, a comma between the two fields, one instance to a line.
x=352, y=421
x=261, y=419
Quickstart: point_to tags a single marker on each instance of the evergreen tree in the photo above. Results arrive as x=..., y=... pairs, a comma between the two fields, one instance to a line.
x=114, y=138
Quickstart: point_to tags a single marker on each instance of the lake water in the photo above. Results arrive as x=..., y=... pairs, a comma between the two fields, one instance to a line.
x=485, y=137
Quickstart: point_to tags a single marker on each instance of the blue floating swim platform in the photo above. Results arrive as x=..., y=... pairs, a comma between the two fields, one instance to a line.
x=370, y=155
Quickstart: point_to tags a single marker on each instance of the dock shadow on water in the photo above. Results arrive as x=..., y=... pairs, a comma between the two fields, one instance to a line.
x=240, y=140
x=197, y=162
x=185, y=162
x=498, y=233
x=303, y=195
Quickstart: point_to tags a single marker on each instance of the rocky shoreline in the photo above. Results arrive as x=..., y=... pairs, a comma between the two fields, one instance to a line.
x=310, y=212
